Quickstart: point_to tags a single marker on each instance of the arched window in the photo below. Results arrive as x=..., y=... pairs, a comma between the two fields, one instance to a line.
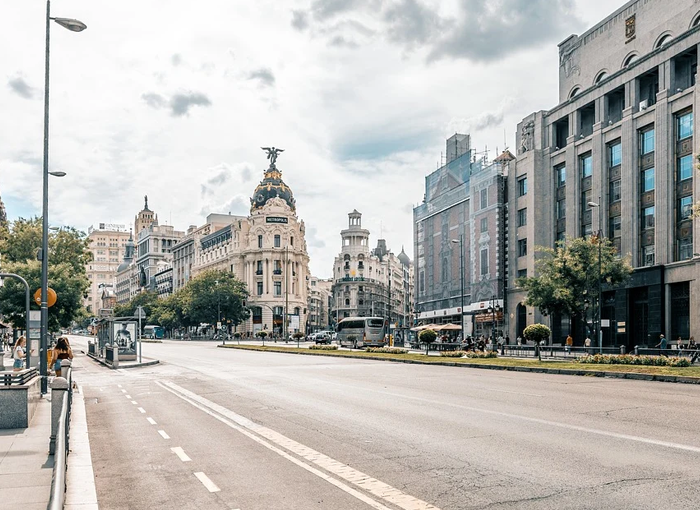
x=629, y=59
x=346, y=257
x=601, y=76
x=347, y=302
x=696, y=21
x=574, y=92
x=663, y=40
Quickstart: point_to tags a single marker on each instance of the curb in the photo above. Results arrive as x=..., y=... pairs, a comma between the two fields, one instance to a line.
x=134, y=365
x=681, y=379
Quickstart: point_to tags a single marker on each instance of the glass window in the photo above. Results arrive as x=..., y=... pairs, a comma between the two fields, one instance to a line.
x=685, y=208
x=648, y=217
x=685, y=248
x=260, y=288
x=648, y=257
x=522, y=273
x=586, y=230
x=615, y=154
x=277, y=241
x=561, y=175
x=522, y=247
x=522, y=186
x=484, y=199
x=561, y=237
x=646, y=141
x=585, y=199
x=586, y=166
x=484, y=258
x=522, y=217
x=260, y=241
x=615, y=191
x=561, y=209
x=684, y=126
x=615, y=226
x=484, y=224
x=278, y=288
x=685, y=167
x=647, y=180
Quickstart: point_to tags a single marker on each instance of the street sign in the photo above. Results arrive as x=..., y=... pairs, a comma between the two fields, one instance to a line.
x=51, y=297
x=140, y=313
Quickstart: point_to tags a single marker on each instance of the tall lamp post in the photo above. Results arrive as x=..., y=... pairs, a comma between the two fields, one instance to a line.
x=461, y=279
x=74, y=26
x=599, y=330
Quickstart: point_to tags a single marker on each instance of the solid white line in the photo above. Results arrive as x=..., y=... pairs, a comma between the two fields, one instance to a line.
x=211, y=486
x=142, y=410
x=379, y=489
x=151, y=421
x=163, y=434
x=134, y=402
x=181, y=453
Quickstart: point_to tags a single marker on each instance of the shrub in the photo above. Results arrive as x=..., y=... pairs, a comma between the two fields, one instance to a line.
x=537, y=332
x=323, y=347
x=387, y=350
x=298, y=335
x=469, y=354
x=630, y=359
x=427, y=336
x=262, y=334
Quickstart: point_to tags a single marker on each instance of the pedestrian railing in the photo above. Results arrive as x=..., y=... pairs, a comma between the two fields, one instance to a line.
x=59, y=445
x=18, y=378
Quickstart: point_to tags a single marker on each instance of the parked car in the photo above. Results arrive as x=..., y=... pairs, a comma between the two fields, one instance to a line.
x=322, y=337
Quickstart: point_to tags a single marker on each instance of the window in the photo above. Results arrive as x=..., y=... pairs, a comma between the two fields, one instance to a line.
x=522, y=273
x=259, y=241
x=648, y=257
x=278, y=267
x=561, y=209
x=646, y=141
x=615, y=191
x=615, y=154
x=291, y=241
x=586, y=230
x=522, y=217
x=647, y=180
x=484, y=259
x=585, y=199
x=260, y=288
x=685, y=208
x=684, y=126
x=277, y=241
x=522, y=247
x=615, y=227
x=685, y=167
x=259, y=269
x=347, y=302
x=561, y=175
x=278, y=288
x=522, y=186
x=561, y=238
x=685, y=248
x=484, y=198
x=648, y=217
x=484, y=224
x=586, y=166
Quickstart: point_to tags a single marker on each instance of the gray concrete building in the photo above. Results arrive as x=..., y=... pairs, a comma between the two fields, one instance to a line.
x=622, y=136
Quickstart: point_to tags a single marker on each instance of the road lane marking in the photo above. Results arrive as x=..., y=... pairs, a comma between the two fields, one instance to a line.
x=254, y=431
x=163, y=434
x=119, y=385
x=151, y=420
x=128, y=397
x=134, y=402
x=181, y=453
x=142, y=410
x=211, y=486
x=123, y=391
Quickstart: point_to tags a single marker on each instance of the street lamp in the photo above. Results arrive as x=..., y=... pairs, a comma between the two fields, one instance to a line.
x=493, y=309
x=599, y=330
x=74, y=26
x=461, y=278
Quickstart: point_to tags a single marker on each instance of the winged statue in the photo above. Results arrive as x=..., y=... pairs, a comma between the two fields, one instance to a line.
x=272, y=153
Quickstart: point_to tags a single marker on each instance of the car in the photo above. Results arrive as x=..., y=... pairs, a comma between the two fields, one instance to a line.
x=322, y=337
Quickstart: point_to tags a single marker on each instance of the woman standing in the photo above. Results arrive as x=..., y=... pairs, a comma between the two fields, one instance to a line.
x=19, y=354
x=60, y=352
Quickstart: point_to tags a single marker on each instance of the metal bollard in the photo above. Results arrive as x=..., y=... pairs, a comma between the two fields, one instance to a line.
x=636, y=350
x=58, y=388
x=115, y=357
x=622, y=349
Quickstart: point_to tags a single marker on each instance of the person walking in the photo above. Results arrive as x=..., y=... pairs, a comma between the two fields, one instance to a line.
x=569, y=343
x=587, y=345
x=60, y=352
x=663, y=344
x=19, y=354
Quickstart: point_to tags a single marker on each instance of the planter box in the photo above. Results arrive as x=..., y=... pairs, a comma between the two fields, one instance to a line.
x=18, y=403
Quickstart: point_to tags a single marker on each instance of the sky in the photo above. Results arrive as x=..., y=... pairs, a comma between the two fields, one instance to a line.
x=174, y=99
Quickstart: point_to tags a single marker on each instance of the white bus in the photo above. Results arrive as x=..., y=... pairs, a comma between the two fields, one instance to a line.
x=362, y=332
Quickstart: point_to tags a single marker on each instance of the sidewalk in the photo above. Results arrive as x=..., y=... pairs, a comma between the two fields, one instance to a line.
x=26, y=468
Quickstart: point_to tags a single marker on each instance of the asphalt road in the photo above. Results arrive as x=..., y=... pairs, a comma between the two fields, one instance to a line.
x=269, y=431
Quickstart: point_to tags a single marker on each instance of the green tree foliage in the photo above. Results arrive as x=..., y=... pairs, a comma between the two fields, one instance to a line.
x=211, y=291
x=68, y=254
x=148, y=300
x=427, y=336
x=537, y=333
x=567, y=276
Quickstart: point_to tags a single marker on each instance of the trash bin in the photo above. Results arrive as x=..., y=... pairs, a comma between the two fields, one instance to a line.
x=622, y=349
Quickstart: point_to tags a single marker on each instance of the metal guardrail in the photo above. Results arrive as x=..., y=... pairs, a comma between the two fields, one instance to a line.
x=60, y=440
x=18, y=378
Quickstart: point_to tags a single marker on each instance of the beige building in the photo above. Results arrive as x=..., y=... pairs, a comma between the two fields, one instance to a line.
x=618, y=154
x=107, y=245
x=320, y=303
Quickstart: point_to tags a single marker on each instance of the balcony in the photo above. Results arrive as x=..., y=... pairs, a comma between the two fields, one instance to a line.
x=277, y=271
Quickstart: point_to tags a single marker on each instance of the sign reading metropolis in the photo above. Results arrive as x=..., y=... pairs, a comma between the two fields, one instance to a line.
x=276, y=219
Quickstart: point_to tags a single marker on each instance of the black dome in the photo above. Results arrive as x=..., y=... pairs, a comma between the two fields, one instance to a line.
x=272, y=186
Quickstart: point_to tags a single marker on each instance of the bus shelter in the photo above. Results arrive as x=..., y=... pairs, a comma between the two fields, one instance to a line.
x=120, y=333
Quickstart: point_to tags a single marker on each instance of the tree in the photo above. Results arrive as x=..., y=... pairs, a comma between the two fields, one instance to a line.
x=68, y=254
x=567, y=277
x=215, y=294
x=537, y=333
x=427, y=336
x=147, y=300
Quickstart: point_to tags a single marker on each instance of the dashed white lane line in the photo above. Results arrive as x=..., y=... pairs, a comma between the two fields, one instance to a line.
x=128, y=397
x=119, y=385
x=163, y=434
x=256, y=432
x=151, y=420
x=142, y=410
x=134, y=402
x=211, y=486
x=181, y=454
x=123, y=391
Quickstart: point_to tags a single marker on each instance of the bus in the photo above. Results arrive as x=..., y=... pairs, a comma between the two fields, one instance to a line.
x=365, y=332
x=154, y=332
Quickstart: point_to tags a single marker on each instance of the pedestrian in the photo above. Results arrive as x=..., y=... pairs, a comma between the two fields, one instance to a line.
x=663, y=343
x=507, y=340
x=19, y=354
x=519, y=340
x=60, y=352
x=587, y=344
x=569, y=343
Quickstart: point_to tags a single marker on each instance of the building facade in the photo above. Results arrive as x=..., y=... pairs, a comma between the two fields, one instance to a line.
x=460, y=242
x=617, y=155
x=320, y=303
x=107, y=243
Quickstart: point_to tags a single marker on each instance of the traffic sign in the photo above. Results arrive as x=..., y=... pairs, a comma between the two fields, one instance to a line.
x=140, y=313
x=51, y=297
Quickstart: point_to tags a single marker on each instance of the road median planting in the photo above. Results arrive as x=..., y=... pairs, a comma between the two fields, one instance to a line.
x=688, y=375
